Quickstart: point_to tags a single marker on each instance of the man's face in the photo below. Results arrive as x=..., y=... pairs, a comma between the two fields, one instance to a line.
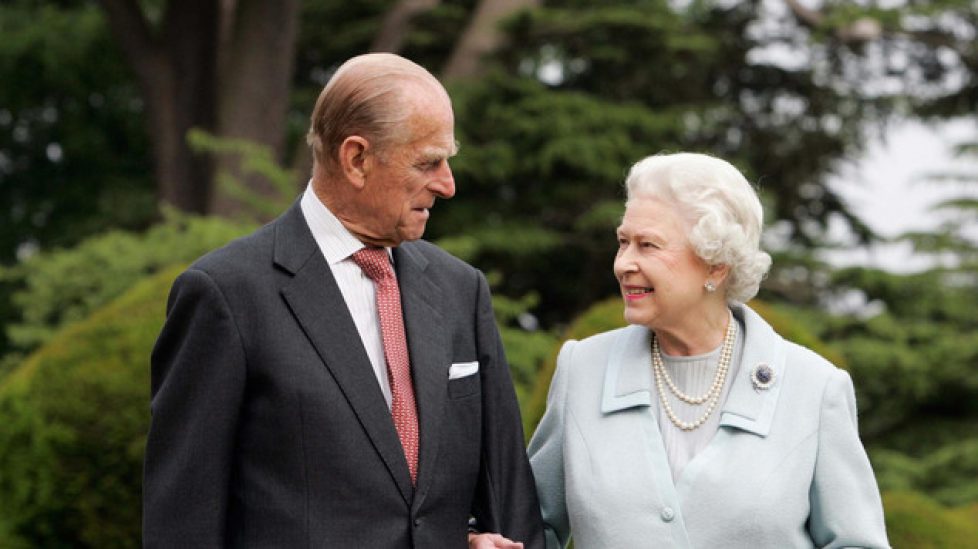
x=403, y=181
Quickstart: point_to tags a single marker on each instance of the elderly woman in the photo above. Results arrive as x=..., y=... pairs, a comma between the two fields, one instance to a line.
x=698, y=425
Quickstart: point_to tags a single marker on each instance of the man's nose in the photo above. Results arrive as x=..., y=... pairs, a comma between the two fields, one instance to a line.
x=443, y=184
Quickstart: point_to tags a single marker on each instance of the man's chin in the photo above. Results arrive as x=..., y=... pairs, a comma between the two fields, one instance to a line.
x=414, y=233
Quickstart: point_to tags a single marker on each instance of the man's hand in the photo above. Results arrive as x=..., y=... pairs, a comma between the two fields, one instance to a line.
x=492, y=541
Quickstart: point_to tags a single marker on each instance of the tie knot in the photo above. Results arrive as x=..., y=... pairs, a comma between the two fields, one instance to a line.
x=374, y=262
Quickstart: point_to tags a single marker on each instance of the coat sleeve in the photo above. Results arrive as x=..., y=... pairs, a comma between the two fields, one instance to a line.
x=846, y=510
x=547, y=455
x=505, y=499
x=198, y=377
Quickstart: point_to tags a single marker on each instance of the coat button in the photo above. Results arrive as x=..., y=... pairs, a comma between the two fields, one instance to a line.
x=668, y=514
x=417, y=522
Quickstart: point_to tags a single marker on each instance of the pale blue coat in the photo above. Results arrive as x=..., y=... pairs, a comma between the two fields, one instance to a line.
x=786, y=468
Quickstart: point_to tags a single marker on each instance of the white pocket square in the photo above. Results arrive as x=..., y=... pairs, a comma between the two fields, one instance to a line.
x=462, y=369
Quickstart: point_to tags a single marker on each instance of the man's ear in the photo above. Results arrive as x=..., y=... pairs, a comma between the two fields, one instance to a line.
x=354, y=160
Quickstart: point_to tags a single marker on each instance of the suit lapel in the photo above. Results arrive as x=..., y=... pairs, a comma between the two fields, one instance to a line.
x=428, y=345
x=318, y=306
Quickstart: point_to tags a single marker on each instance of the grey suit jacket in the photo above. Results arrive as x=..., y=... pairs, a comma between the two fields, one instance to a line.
x=785, y=469
x=269, y=428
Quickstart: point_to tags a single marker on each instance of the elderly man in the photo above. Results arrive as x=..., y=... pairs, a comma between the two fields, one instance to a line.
x=330, y=380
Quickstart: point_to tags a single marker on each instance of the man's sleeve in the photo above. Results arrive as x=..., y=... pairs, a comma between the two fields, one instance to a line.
x=198, y=377
x=506, y=500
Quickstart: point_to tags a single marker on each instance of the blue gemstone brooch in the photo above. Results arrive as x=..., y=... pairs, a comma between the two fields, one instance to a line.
x=762, y=376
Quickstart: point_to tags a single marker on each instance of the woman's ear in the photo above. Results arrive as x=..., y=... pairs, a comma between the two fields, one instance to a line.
x=719, y=272
x=353, y=160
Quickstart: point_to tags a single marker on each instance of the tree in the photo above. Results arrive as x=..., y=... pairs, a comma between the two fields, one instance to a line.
x=482, y=37
x=71, y=143
x=221, y=66
x=397, y=24
x=922, y=53
x=580, y=90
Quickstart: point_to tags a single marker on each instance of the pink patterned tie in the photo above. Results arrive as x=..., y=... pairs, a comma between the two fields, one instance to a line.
x=376, y=264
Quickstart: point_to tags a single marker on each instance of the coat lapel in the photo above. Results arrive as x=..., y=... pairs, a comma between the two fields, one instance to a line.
x=426, y=335
x=747, y=408
x=628, y=378
x=628, y=384
x=314, y=298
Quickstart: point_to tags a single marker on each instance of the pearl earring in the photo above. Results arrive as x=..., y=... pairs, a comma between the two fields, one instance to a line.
x=709, y=286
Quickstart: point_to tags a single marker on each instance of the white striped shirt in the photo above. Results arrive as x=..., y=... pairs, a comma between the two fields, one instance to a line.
x=337, y=245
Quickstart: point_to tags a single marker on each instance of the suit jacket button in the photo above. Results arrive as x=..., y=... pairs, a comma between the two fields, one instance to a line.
x=668, y=514
x=417, y=522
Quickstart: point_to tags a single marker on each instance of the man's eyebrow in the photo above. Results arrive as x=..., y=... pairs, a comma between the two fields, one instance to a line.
x=438, y=153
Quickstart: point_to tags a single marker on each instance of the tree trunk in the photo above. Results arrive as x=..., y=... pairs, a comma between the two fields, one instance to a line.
x=481, y=37
x=224, y=66
x=255, y=82
x=397, y=24
x=174, y=70
x=183, y=179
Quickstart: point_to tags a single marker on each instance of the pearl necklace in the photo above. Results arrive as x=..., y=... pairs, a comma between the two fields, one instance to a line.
x=712, y=396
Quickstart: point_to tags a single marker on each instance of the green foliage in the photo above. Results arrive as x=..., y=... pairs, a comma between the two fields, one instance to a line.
x=584, y=89
x=73, y=421
x=527, y=349
x=601, y=317
x=705, y=64
x=948, y=474
x=62, y=286
x=254, y=159
x=74, y=157
x=915, y=521
x=791, y=329
x=530, y=215
x=913, y=363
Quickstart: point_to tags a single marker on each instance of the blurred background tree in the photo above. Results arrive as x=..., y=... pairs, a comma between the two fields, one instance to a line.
x=105, y=194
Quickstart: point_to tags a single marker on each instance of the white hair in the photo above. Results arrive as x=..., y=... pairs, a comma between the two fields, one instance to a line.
x=723, y=215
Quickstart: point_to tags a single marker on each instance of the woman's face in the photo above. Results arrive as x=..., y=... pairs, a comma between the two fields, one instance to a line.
x=660, y=277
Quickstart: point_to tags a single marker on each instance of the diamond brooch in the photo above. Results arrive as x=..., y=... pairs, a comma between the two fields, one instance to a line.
x=762, y=376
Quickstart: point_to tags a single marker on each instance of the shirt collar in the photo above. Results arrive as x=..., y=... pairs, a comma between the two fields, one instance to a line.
x=334, y=240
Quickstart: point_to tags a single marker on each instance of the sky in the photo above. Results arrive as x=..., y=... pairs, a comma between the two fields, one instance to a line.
x=887, y=188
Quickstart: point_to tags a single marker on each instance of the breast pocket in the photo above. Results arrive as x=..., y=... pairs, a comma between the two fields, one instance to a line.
x=464, y=386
